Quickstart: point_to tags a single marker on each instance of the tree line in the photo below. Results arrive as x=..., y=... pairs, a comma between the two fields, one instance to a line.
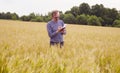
x=84, y=14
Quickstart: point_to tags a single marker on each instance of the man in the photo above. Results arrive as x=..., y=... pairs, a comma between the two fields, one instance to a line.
x=55, y=30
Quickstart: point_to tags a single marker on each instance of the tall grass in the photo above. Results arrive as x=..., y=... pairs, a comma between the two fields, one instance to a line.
x=24, y=48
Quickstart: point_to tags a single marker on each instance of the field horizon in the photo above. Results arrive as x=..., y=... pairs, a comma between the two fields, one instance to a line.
x=24, y=48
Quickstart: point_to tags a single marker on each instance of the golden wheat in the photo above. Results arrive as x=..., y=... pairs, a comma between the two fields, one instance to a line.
x=24, y=48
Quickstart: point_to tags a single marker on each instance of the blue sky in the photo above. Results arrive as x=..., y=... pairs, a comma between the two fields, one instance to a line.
x=25, y=7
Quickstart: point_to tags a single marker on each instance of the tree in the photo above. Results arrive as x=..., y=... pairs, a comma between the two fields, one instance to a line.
x=109, y=16
x=116, y=23
x=75, y=10
x=119, y=15
x=84, y=8
x=46, y=18
x=101, y=20
x=32, y=16
x=61, y=15
x=97, y=10
x=25, y=18
x=67, y=12
x=8, y=15
x=0, y=15
x=69, y=18
x=82, y=19
x=37, y=19
x=93, y=20
x=14, y=16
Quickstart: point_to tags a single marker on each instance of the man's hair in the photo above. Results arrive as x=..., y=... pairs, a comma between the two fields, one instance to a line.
x=54, y=12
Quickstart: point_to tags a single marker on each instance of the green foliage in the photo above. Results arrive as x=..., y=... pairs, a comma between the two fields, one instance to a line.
x=32, y=16
x=119, y=15
x=47, y=18
x=109, y=16
x=15, y=16
x=101, y=20
x=97, y=10
x=68, y=12
x=9, y=15
x=116, y=23
x=37, y=19
x=61, y=16
x=25, y=18
x=69, y=18
x=84, y=8
x=93, y=20
x=82, y=19
x=75, y=10
x=77, y=14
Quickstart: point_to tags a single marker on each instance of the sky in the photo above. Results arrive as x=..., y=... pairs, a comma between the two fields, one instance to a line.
x=25, y=7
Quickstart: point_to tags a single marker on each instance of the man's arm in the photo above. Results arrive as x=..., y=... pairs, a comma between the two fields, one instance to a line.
x=50, y=33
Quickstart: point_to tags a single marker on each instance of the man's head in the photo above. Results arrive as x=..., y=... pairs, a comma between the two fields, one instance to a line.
x=55, y=15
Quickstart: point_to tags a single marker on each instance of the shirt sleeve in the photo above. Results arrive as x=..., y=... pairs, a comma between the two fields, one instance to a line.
x=50, y=33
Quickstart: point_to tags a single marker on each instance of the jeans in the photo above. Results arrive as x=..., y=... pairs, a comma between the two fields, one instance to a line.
x=57, y=44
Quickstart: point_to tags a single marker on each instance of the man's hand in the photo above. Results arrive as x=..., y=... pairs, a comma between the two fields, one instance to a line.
x=59, y=29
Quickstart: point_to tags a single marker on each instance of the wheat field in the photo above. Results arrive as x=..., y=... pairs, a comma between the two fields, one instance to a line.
x=24, y=48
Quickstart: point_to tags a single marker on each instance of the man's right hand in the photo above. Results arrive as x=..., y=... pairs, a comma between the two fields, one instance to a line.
x=59, y=29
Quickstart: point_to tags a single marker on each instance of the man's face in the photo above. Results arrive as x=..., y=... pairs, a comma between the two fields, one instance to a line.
x=56, y=16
